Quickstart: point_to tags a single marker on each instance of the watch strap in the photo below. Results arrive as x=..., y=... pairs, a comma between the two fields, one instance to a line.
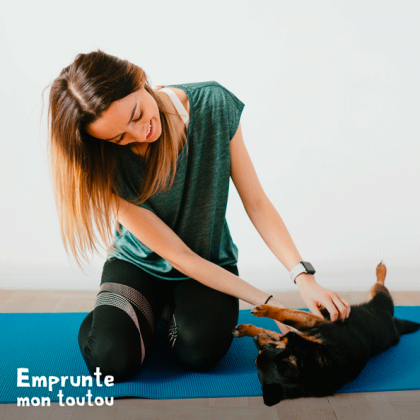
x=295, y=271
x=299, y=269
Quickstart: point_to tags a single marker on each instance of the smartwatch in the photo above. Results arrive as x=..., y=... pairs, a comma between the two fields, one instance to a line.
x=302, y=267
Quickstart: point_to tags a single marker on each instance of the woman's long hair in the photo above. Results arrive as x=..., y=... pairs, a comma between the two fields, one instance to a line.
x=85, y=169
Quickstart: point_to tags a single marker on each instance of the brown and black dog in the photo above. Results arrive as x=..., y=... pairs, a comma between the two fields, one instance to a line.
x=322, y=355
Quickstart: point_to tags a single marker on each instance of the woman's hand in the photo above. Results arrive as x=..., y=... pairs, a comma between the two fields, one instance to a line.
x=315, y=296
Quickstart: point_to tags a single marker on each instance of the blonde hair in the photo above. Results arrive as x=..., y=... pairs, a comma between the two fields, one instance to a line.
x=84, y=169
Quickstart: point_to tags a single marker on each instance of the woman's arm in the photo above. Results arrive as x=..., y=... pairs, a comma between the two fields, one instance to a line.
x=272, y=229
x=160, y=238
x=262, y=213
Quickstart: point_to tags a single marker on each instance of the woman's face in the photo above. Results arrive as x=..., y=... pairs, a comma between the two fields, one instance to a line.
x=128, y=120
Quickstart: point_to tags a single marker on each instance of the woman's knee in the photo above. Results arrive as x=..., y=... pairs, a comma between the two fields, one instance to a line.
x=198, y=349
x=198, y=357
x=116, y=351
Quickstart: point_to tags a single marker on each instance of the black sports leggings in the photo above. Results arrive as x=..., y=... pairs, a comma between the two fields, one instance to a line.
x=117, y=334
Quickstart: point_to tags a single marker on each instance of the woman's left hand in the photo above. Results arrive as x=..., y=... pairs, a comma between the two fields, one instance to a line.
x=314, y=295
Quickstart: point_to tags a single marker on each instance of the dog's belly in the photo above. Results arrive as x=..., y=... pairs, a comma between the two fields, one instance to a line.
x=365, y=334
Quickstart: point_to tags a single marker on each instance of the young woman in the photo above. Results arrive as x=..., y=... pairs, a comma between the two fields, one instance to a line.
x=158, y=164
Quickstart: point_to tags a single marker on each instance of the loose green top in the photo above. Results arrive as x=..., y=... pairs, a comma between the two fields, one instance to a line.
x=195, y=206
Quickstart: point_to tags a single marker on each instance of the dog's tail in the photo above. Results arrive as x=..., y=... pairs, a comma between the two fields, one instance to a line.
x=406, y=327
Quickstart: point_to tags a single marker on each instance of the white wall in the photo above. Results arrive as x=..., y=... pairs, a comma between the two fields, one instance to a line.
x=331, y=124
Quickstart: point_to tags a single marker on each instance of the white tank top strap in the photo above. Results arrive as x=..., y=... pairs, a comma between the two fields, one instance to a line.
x=178, y=105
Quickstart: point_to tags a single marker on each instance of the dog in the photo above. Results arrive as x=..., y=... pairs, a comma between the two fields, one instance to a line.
x=320, y=356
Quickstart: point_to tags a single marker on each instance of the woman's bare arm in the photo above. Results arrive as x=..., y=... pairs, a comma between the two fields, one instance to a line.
x=261, y=212
x=160, y=238
x=273, y=231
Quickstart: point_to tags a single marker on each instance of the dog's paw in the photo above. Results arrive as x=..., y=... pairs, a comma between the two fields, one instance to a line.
x=241, y=330
x=381, y=272
x=260, y=310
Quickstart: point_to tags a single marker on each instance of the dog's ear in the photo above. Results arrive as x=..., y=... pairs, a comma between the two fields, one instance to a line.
x=286, y=389
x=286, y=382
x=272, y=394
x=294, y=337
x=296, y=341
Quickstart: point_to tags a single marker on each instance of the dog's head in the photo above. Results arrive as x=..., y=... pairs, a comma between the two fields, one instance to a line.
x=280, y=368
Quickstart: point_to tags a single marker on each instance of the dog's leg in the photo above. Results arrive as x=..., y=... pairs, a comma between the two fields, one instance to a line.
x=296, y=319
x=379, y=286
x=248, y=330
x=381, y=273
x=379, y=294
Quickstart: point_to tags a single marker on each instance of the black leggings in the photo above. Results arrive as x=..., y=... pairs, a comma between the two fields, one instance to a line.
x=117, y=334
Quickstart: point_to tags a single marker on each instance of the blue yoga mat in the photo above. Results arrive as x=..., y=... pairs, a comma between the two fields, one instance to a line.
x=46, y=344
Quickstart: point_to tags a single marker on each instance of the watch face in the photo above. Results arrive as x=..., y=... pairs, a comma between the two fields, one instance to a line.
x=309, y=267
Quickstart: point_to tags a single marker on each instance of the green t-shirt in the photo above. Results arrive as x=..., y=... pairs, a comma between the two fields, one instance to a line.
x=195, y=206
